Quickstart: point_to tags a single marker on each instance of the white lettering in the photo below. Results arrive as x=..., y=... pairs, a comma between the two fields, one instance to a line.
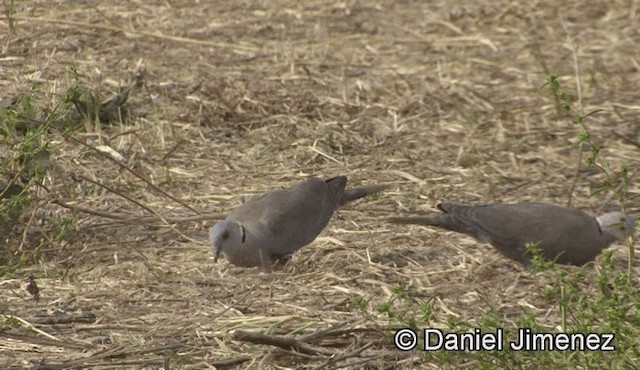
x=427, y=339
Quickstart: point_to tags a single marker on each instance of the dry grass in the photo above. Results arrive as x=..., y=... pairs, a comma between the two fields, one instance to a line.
x=441, y=99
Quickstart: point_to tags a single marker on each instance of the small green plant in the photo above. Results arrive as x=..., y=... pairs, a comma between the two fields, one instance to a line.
x=93, y=111
x=615, y=181
x=329, y=141
x=24, y=157
x=361, y=302
x=27, y=129
x=8, y=322
x=404, y=310
x=612, y=307
x=560, y=97
x=538, y=262
x=618, y=184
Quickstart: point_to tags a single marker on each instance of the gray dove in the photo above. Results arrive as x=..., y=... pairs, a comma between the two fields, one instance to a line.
x=275, y=224
x=568, y=236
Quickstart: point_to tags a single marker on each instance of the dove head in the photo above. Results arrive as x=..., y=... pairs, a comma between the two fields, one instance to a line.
x=617, y=223
x=225, y=235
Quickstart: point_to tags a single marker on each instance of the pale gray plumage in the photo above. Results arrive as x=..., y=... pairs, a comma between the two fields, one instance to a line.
x=566, y=235
x=278, y=223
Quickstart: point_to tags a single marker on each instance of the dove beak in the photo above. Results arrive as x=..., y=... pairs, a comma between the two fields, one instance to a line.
x=217, y=254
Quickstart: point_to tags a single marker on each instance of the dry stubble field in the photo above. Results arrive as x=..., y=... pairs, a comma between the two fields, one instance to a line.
x=442, y=100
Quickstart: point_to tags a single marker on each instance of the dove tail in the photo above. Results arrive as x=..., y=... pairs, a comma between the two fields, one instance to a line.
x=434, y=219
x=451, y=222
x=451, y=207
x=444, y=221
x=357, y=193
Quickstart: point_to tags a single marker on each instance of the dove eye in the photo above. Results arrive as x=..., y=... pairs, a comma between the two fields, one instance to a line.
x=225, y=236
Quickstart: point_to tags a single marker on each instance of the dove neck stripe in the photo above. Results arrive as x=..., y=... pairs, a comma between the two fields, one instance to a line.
x=600, y=223
x=244, y=233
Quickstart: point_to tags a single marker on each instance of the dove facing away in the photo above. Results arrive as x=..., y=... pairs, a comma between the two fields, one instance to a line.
x=275, y=224
x=567, y=235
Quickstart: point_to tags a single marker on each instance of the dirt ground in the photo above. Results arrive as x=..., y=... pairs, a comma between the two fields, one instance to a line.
x=442, y=100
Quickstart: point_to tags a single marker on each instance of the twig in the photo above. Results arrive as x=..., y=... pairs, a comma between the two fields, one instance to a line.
x=146, y=220
x=31, y=327
x=23, y=242
x=127, y=132
x=189, y=328
x=574, y=183
x=344, y=356
x=576, y=66
x=153, y=363
x=322, y=332
x=65, y=318
x=158, y=215
x=576, y=70
x=126, y=168
x=172, y=150
x=283, y=342
x=89, y=211
x=44, y=341
x=323, y=153
x=230, y=361
x=114, y=191
x=374, y=358
x=141, y=220
x=219, y=314
x=110, y=327
x=118, y=352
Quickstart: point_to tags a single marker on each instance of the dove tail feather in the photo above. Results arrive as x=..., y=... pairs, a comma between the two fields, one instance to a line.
x=451, y=207
x=443, y=221
x=338, y=180
x=434, y=219
x=357, y=193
